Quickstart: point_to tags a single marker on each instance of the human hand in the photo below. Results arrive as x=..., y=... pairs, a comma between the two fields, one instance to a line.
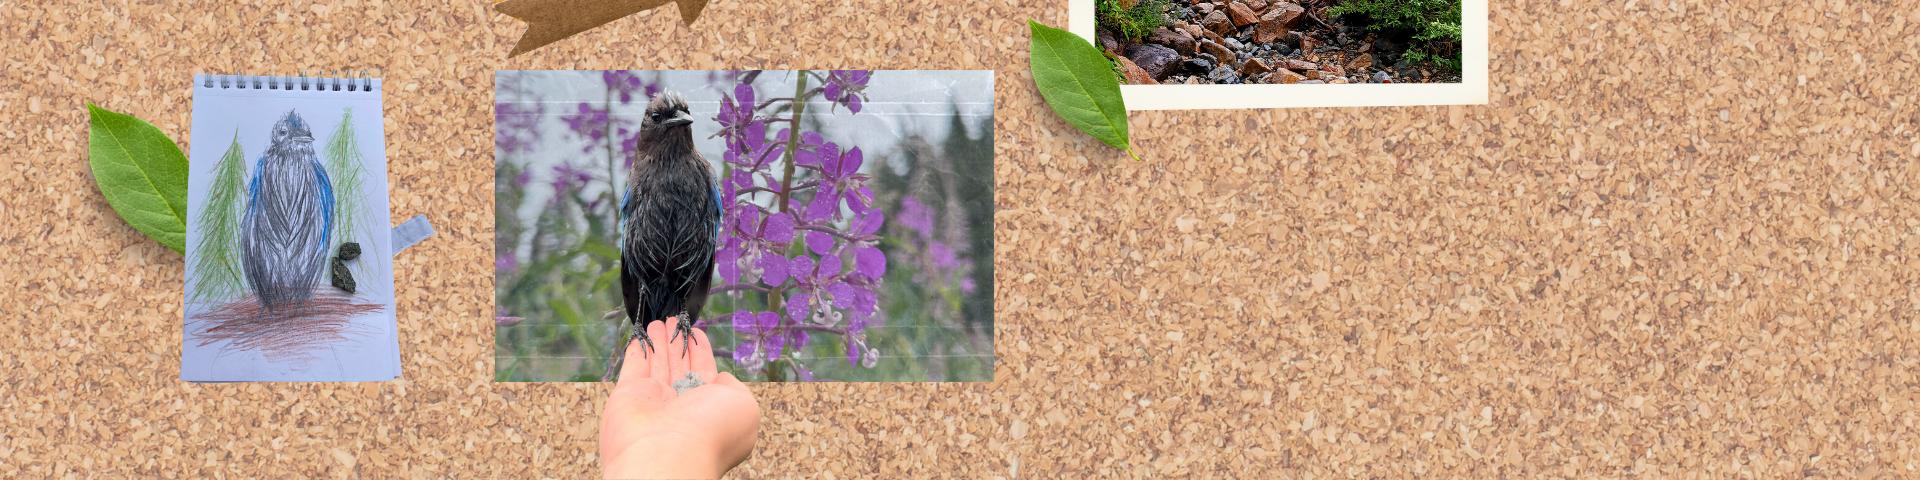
x=649, y=431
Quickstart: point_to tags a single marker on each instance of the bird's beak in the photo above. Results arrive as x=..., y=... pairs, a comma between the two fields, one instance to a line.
x=680, y=118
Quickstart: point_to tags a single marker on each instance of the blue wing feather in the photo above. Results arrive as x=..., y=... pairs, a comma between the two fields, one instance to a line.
x=326, y=205
x=719, y=216
x=253, y=185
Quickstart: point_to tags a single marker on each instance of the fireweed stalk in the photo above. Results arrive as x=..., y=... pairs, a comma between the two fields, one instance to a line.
x=800, y=230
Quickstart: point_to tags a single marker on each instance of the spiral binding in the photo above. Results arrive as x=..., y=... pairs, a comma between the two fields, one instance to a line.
x=347, y=81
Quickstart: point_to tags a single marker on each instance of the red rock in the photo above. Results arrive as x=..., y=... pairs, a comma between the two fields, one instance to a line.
x=1254, y=66
x=1284, y=76
x=1299, y=65
x=1361, y=63
x=1132, y=72
x=1241, y=14
x=1220, y=53
x=1284, y=12
x=1217, y=22
x=1267, y=32
x=1276, y=21
x=1257, y=5
x=1209, y=35
x=1178, y=39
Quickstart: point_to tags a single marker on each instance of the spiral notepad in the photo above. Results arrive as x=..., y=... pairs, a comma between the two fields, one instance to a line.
x=289, y=262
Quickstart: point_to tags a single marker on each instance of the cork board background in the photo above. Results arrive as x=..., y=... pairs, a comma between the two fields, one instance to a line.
x=1678, y=242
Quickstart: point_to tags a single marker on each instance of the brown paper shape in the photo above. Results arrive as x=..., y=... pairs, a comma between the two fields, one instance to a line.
x=550, y=21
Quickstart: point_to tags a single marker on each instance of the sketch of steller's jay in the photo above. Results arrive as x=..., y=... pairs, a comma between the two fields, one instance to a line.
x=288, y=223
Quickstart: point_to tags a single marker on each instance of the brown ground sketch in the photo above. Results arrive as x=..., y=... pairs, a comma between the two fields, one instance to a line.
x=286, y=334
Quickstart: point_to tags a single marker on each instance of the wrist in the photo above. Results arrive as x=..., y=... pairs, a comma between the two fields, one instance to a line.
x=666, y=458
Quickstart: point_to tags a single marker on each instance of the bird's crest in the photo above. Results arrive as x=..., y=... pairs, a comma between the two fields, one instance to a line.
x=291, y=127
x=665, y=105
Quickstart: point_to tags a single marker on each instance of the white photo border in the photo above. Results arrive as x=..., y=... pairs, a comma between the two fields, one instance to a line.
x=1471, y=90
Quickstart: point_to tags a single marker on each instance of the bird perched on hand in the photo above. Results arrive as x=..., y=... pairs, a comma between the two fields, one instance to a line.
x=289, y=218
x=670, y=224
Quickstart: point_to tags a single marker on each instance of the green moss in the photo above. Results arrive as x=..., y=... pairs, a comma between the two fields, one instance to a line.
x=1432, y=25
x=1134, y=23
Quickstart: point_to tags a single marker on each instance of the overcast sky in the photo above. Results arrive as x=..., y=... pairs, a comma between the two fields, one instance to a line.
x=899, y=103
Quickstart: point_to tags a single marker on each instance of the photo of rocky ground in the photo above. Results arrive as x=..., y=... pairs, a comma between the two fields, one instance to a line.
x=1195, y=42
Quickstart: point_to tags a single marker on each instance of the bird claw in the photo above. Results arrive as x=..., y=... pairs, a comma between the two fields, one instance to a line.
x=683, y=328
x=646, y=344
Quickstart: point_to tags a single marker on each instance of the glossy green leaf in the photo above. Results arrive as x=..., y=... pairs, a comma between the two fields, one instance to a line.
x=1078, y=82
x=141, y=172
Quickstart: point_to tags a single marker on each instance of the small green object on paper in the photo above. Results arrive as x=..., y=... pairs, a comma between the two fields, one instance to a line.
x=141, y=172
x=349, y=251
x=343, y=277
x=1078, y=82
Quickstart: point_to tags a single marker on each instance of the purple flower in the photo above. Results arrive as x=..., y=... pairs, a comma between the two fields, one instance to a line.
x=506, y=262
x=759, y=237
x=566, y=177
x=840, y=182
x=943, y=256
x=869, y=262
x=589, y=123
x=739, y=124
x=726, y=261
x=835, y=279
x=847, y=87
x=806, y=286
x=916, y=217
x=745, y=354
x=623, y=83
x=516, y=126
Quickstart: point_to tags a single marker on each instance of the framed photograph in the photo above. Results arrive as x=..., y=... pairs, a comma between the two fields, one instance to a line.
x=818, y=225
x=1224, y=54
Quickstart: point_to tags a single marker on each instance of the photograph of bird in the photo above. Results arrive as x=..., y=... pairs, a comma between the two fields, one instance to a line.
x=288, y=220
x=670, y=224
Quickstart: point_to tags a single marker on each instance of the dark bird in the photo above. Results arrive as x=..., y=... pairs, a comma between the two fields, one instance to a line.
x=670, y=221
x=289, y=218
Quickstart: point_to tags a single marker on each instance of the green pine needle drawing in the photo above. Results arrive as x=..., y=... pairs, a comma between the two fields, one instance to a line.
x=218, y=252
x=344, y=166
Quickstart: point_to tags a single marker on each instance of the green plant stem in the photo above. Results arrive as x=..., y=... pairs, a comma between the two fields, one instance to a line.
x=785, y=195
x=612, y=198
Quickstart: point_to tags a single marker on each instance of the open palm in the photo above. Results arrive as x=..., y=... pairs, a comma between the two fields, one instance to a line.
x=649, y=430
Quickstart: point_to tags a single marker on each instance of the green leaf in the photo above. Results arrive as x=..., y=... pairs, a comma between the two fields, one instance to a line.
x=1078, y=83
x=142, y=173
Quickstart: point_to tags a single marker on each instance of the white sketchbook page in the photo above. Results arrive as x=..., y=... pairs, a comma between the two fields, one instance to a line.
x=370, y=351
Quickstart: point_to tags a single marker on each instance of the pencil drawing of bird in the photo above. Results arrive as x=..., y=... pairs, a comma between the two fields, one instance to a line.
x=670, y=223
x=288, y=220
